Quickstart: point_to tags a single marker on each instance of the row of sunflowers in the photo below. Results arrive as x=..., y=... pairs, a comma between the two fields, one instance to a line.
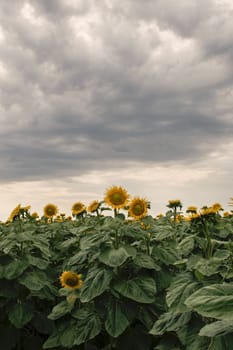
x=117, y=198
x=111, y=276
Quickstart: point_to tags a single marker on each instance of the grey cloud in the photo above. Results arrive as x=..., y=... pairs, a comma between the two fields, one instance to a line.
x=121, y=94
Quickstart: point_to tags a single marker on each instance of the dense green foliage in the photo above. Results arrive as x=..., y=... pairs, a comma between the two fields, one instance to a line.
x=153, y=284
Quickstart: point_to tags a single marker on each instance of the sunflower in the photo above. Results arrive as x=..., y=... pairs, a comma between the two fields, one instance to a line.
x=26, y=208
x=216, y=207
x=50, y=210
x=93, y=206
x=138, y=208
x=173, y=203
x=117, y=197
x=71, y=280
x=191, y=209
x=78, y=208
x=15, y=212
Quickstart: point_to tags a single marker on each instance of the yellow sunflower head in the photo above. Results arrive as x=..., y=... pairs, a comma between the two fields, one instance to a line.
x=116, y=197
x=50, y=210
x=192, y=209
x=138, y=208
x=216, y=207
x=78, y=208
x=174, y=203
x=71, y=280
x=15, y=212
x=93, y=206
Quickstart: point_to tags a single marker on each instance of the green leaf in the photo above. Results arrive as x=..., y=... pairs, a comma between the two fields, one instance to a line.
x=139, y=289
x=213, y=301
x=15, y=269
x=116, y=257
x=88, y=326
x=95, y=284
x=208, y=267
x=38, y=262
x=68, y=336
x=116, y=321
x=60, y=310
x=186, y=245
x=181, y=287
x=52, y=342
x=34, y=280
x=216, y=329
x=166, y=252
x=146, y=261
x=77, y=258
x=20, y=314
x=92, y=240
x=170, y=322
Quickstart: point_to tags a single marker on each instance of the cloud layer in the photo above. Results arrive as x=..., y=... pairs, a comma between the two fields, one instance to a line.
x=90, y=86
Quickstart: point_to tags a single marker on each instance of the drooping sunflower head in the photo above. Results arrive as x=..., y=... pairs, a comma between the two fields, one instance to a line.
x=15, y=212
x=116, y=197
x=26, y=208
x=78, y=208
x=93, y=206
x=71, y=280
x=50, y=210
x=138, y=208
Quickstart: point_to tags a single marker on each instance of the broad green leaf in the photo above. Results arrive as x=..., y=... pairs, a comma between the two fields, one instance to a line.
x=38, y=262
x=92, y=240
x=20, y=314
x=87, y=328
x=52, y=342
x=208, y=267
x=166, y=252
x=146, y=261
x=180, y=288
x=77, y=258
x=215, y=301
x=116, y=321
x=116, y=257
x=68, y=336
x=200, y=343
x=95, y=284
x=15, y=269
x=60, y=310
x=139, y=289
x=170, y=322
x=34, y=280
x=216, y=329
x=186, y=245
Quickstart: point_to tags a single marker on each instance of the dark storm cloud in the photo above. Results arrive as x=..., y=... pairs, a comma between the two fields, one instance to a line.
x=91, y=86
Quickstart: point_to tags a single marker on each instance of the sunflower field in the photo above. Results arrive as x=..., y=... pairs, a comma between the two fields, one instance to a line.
x=111, y=276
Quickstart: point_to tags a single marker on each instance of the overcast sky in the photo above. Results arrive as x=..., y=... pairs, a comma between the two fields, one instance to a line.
x=95, y=93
